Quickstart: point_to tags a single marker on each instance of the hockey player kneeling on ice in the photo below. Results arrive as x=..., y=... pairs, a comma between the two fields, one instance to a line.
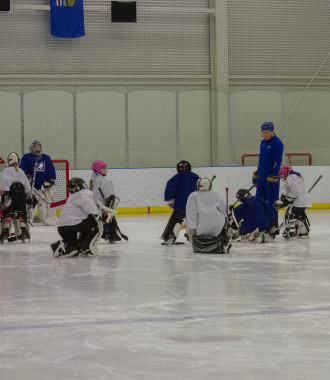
x=254, y=217
x=80, y=223
x=15, y=194
x=103, y=191
x=206, y=217
x=296, y=199
x=40, y=170
x=177, y=191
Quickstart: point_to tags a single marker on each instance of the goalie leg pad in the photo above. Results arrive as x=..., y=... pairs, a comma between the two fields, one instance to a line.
x=47, y=215
x=290, y=224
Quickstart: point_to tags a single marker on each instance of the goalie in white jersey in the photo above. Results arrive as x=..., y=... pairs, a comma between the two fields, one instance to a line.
x=103, y=191
x=296, y=198
x=16, y=193
x=80, y=224
x=206, y=218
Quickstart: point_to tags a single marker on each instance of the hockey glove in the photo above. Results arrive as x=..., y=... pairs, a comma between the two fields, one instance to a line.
x=170, y=203
x=254, y=177
x=5, y=200
x=31, y=200
x=48, y=184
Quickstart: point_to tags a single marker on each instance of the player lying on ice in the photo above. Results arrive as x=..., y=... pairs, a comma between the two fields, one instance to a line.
x=206, y=219
x=252, y=219
x=15, y=196
x=296, y=199
x=80, y=224
x=103, y=191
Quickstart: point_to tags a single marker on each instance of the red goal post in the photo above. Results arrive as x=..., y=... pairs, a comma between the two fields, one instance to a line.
x=306, y=156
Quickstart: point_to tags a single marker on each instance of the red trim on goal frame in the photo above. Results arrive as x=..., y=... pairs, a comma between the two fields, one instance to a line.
x=66, y=174
x=286, y=155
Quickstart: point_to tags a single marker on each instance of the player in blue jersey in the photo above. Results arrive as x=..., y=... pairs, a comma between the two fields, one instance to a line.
x=40, y=170
x=177, y=191
x=254, y=217
x=266, y=178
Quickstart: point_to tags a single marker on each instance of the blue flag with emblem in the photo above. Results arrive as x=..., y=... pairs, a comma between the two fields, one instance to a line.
x=67, y=18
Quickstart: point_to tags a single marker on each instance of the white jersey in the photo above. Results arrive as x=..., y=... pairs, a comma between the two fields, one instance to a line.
x=206, y=212
x=103, y=183
x=12, y=174
x=294, y=187
x=77, y=208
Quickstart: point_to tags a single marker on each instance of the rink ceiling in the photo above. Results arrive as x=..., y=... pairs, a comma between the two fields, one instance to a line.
x=144, y=311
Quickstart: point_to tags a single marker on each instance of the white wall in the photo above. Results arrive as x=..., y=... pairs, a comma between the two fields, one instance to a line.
x=145, y=187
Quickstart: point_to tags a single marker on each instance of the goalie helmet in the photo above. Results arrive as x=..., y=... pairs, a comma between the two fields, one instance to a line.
x=100, y=167
x=183, y=166
x=242, y=195
x=12, y=159
x=76, y=184
x=204, y=184
x=267, y=126
x=35, y=148
x=285, y=171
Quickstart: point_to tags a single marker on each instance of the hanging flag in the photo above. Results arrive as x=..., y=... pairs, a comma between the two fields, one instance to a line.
x=67, y=18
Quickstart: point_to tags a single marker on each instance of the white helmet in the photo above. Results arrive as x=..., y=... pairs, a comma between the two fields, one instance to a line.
x=12, y=159
x=204, y=184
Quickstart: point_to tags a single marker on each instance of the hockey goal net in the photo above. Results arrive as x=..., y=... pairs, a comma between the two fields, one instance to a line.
x=290, y=159
x=60, y=189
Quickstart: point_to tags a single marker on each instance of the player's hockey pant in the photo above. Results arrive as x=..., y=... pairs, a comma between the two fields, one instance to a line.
x=87, y=228
x=176, y=217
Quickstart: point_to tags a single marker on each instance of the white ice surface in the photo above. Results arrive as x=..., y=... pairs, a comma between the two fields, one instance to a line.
x=145, y=311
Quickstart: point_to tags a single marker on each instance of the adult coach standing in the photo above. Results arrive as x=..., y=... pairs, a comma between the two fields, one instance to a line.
x=266, y=178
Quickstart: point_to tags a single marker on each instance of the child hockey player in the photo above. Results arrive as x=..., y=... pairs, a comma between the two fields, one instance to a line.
x=296, y=197
x=103, y=191
x=206, y=217
x=15, y=193
x=39, y=169
x=252, y=218
x=177, y=191
x=80, y=215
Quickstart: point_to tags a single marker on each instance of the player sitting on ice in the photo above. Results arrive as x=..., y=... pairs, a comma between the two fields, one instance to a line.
x=16, y=193
x=296, y=199
x=41, y=172
x=252, y=219
x=80, y=224
x=206, y=217
x=177, y=191
x=103, y=191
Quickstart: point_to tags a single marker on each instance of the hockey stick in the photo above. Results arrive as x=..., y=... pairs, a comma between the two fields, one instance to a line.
x=29, y=208
x=46, y=201
x=315, y=183
x=114, y=220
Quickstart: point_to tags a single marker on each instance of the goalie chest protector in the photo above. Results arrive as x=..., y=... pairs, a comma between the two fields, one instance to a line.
x=67, y=18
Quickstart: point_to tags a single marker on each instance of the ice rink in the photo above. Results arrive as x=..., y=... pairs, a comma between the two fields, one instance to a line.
x=140, y=310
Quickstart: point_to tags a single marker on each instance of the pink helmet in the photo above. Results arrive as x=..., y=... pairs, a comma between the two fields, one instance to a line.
x=285, y=171
x=100, y=167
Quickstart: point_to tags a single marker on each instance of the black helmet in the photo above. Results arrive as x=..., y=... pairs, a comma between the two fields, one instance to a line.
x=183, y=166
x=242, y=195
x=76, y=184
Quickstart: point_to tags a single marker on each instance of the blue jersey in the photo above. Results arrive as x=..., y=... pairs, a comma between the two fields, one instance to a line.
x=255, y=213
x=180, y=187
x=67, y=18
x=45, y=170
x=270, y=159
